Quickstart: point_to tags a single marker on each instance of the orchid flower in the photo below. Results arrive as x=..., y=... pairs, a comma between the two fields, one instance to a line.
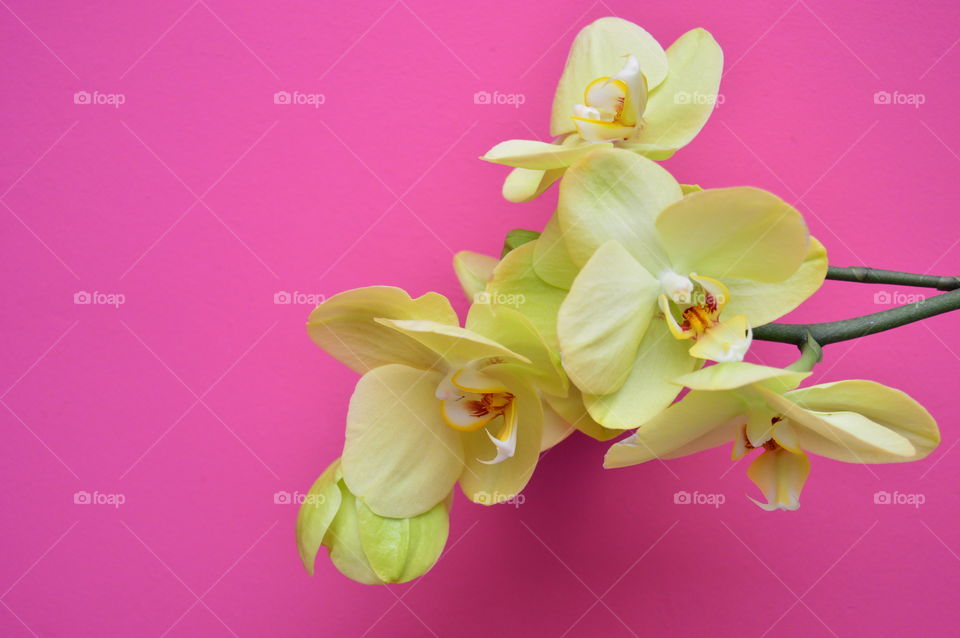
x=437, y=403
x=618, y=88
x=364, y=546
x=759, y=408
x=640, y=284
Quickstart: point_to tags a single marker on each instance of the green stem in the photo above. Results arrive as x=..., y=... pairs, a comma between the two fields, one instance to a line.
x=864, y=275
x=835, y=331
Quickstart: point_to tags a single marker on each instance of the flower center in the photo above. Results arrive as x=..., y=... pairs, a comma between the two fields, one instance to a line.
x=613, y=107
x=692, y=305
x=470, y=400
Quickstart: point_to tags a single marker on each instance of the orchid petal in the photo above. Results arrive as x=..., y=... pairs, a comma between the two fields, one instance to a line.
x=780, y=475
x=455, y=345
x=473, y=271
x=705, y=417
x=551, y=259
x=516, y=278
x=399, y=456
x=603, y=319
x=734, y=232
x=888, y=407
x=535, y=155
x=317, y=513
x=728, y=340
x=512, y=329
x=766, y=302
x=488, y=484
x=648, y=388
x=345, y=326
x=678, y=109
x=525, y=184
x=615, y=195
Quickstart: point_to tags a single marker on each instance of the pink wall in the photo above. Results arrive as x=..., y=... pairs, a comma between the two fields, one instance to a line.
x=198, y=398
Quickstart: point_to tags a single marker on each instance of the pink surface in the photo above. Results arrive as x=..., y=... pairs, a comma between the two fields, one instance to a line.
x=198, y=398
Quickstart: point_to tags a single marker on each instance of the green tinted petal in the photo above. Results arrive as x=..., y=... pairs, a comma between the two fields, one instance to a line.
x=513, y=330
x=615, y=195
x=762, y=303
x=346, y=548
x=648, y=389
x=603, y=319
x=734, y=232
x=401, y=549
x=515, y=278
x=551, y=259
x=678, y=108
x=317, y=513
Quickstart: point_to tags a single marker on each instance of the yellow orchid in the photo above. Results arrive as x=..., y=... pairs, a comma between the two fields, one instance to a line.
x=636, y=283
x=618, y=88
x=364, y=546
x=759, y=407
x=437, y=403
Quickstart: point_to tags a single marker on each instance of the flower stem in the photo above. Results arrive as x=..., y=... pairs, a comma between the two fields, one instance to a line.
x=864, y=275
x=835, y=331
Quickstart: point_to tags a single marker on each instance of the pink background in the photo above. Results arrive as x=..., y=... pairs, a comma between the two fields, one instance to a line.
x=199, y=398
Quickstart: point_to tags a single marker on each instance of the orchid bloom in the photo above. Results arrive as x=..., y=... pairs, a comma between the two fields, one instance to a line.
x=661, y=281
x=759, y=408
x=618, y=88
x=437, y=403
x=364, y=546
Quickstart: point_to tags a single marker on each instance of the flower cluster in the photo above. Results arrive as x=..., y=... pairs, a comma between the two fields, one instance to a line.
x=637, y=288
